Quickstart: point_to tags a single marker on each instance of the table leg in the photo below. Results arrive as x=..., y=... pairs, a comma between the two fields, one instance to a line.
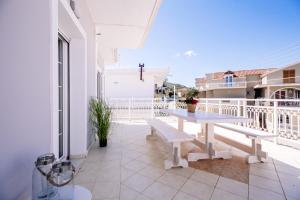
x=180, y=124
x=210, y=152
x=175, y=160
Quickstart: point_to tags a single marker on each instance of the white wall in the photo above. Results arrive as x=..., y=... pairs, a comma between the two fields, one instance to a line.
x=128, y=85
x=26, y=58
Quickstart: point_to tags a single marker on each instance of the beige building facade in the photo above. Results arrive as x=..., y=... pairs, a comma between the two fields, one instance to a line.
x=272, y=83
x=282, y=83
x=230, y=84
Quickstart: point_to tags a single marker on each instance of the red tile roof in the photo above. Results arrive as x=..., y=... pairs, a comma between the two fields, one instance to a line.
x=201, y=80
x=242, y=73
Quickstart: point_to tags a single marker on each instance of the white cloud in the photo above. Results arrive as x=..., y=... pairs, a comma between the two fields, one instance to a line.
x=190, y=53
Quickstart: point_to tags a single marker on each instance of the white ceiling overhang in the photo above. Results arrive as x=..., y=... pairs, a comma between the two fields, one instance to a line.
x=123, y=23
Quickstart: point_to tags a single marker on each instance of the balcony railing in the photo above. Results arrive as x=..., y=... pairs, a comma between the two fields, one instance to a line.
x=222, y=85
x=280, y=117
x=279, y=81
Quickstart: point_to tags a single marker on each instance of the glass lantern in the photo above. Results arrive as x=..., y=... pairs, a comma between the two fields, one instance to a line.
x=40, y=187
x=61, y=179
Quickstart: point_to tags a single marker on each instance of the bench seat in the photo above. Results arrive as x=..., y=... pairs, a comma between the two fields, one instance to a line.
x=169, y=133
x=249, y=132
x=255, y=150
x=173, y=137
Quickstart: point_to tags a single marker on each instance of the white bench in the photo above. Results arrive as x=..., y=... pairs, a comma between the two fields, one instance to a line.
x=173, y=137
x=256, y=153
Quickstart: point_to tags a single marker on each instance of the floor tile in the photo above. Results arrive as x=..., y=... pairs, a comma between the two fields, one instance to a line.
x=183, y=196
x=138, y=182
x=160, y=191
x=85, y=177
x=125, y=173
x=256, y=193
x=265, y=184
x=142, y=197
x=172, y=180
x=186, y=172
x=197, y=189
x=135, y=165
x=111, y=174
x=103, y=190
x=205, y=177
x=219, y=194
x=291, y=185
x=233, y=186
x=265, y=173
x=127, y=193
x=152, y=172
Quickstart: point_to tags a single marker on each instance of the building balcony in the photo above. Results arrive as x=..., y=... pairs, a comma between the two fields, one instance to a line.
x=221, y=85
x=131, y=167
x=268, y=81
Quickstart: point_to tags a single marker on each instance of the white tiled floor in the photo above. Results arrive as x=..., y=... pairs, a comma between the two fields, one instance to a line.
x=131, y=168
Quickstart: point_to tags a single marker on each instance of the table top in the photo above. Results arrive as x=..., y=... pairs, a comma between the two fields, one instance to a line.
x=80, y=192
x=205, y=117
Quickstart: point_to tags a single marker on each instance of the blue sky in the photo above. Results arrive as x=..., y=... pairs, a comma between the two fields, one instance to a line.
x=195, y=37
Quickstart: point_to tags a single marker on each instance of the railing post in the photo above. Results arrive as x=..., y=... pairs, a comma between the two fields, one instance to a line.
x=275, y=118
x=206, y=105
x=152, y=111
x=245, y=110
x=220, y=107
x=129, y=108
x=238, y=108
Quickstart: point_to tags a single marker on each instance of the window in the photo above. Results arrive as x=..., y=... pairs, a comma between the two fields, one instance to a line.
x=289, y=76
x=228, y=80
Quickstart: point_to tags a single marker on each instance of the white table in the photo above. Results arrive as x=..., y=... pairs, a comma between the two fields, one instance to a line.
x=207, y=121
x=79, y=193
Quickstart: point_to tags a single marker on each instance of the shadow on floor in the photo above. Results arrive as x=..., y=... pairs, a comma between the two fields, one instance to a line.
x=236, y=168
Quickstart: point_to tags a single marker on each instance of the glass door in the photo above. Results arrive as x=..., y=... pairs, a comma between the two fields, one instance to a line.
x=63, y=98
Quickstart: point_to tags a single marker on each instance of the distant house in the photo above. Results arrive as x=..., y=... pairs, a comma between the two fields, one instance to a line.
x=230, y=84
x=126, y=83
x=283, y=83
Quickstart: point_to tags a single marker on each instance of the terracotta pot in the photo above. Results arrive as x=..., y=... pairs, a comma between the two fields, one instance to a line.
x=191, y=108
x=103, y=142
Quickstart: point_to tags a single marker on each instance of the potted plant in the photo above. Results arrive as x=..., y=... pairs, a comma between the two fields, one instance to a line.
x=190, y=101
x=100, y=116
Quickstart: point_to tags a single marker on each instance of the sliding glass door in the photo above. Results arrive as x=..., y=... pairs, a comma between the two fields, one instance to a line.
x=63, y=98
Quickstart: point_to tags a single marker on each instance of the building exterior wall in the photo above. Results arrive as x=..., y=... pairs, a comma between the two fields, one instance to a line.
x=276, y=77
x=227, y=93
x=27, y=56
x=29, y=80
x=128, y=85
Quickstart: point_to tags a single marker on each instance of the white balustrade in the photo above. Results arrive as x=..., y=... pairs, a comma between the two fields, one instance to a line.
x=280, y=117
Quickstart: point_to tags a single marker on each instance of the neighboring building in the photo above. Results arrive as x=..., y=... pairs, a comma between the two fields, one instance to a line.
x=283, y=83
x=52, y=60
x=126, y=83
x=230, y=84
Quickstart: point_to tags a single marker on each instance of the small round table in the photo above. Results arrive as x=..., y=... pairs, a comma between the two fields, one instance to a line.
x=79, y=193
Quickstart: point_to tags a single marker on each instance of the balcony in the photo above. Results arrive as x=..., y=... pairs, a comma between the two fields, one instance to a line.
x=273, y=81
x=221, y=84
x=131, y=167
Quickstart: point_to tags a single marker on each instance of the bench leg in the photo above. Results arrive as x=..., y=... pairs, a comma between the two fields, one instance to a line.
x=257, y=154
x=152, y=135
x=175, y=160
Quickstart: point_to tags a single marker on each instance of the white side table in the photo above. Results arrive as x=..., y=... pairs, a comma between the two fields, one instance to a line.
x=80, y=193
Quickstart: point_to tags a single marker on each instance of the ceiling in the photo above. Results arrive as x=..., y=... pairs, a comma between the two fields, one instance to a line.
x=123, y=23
